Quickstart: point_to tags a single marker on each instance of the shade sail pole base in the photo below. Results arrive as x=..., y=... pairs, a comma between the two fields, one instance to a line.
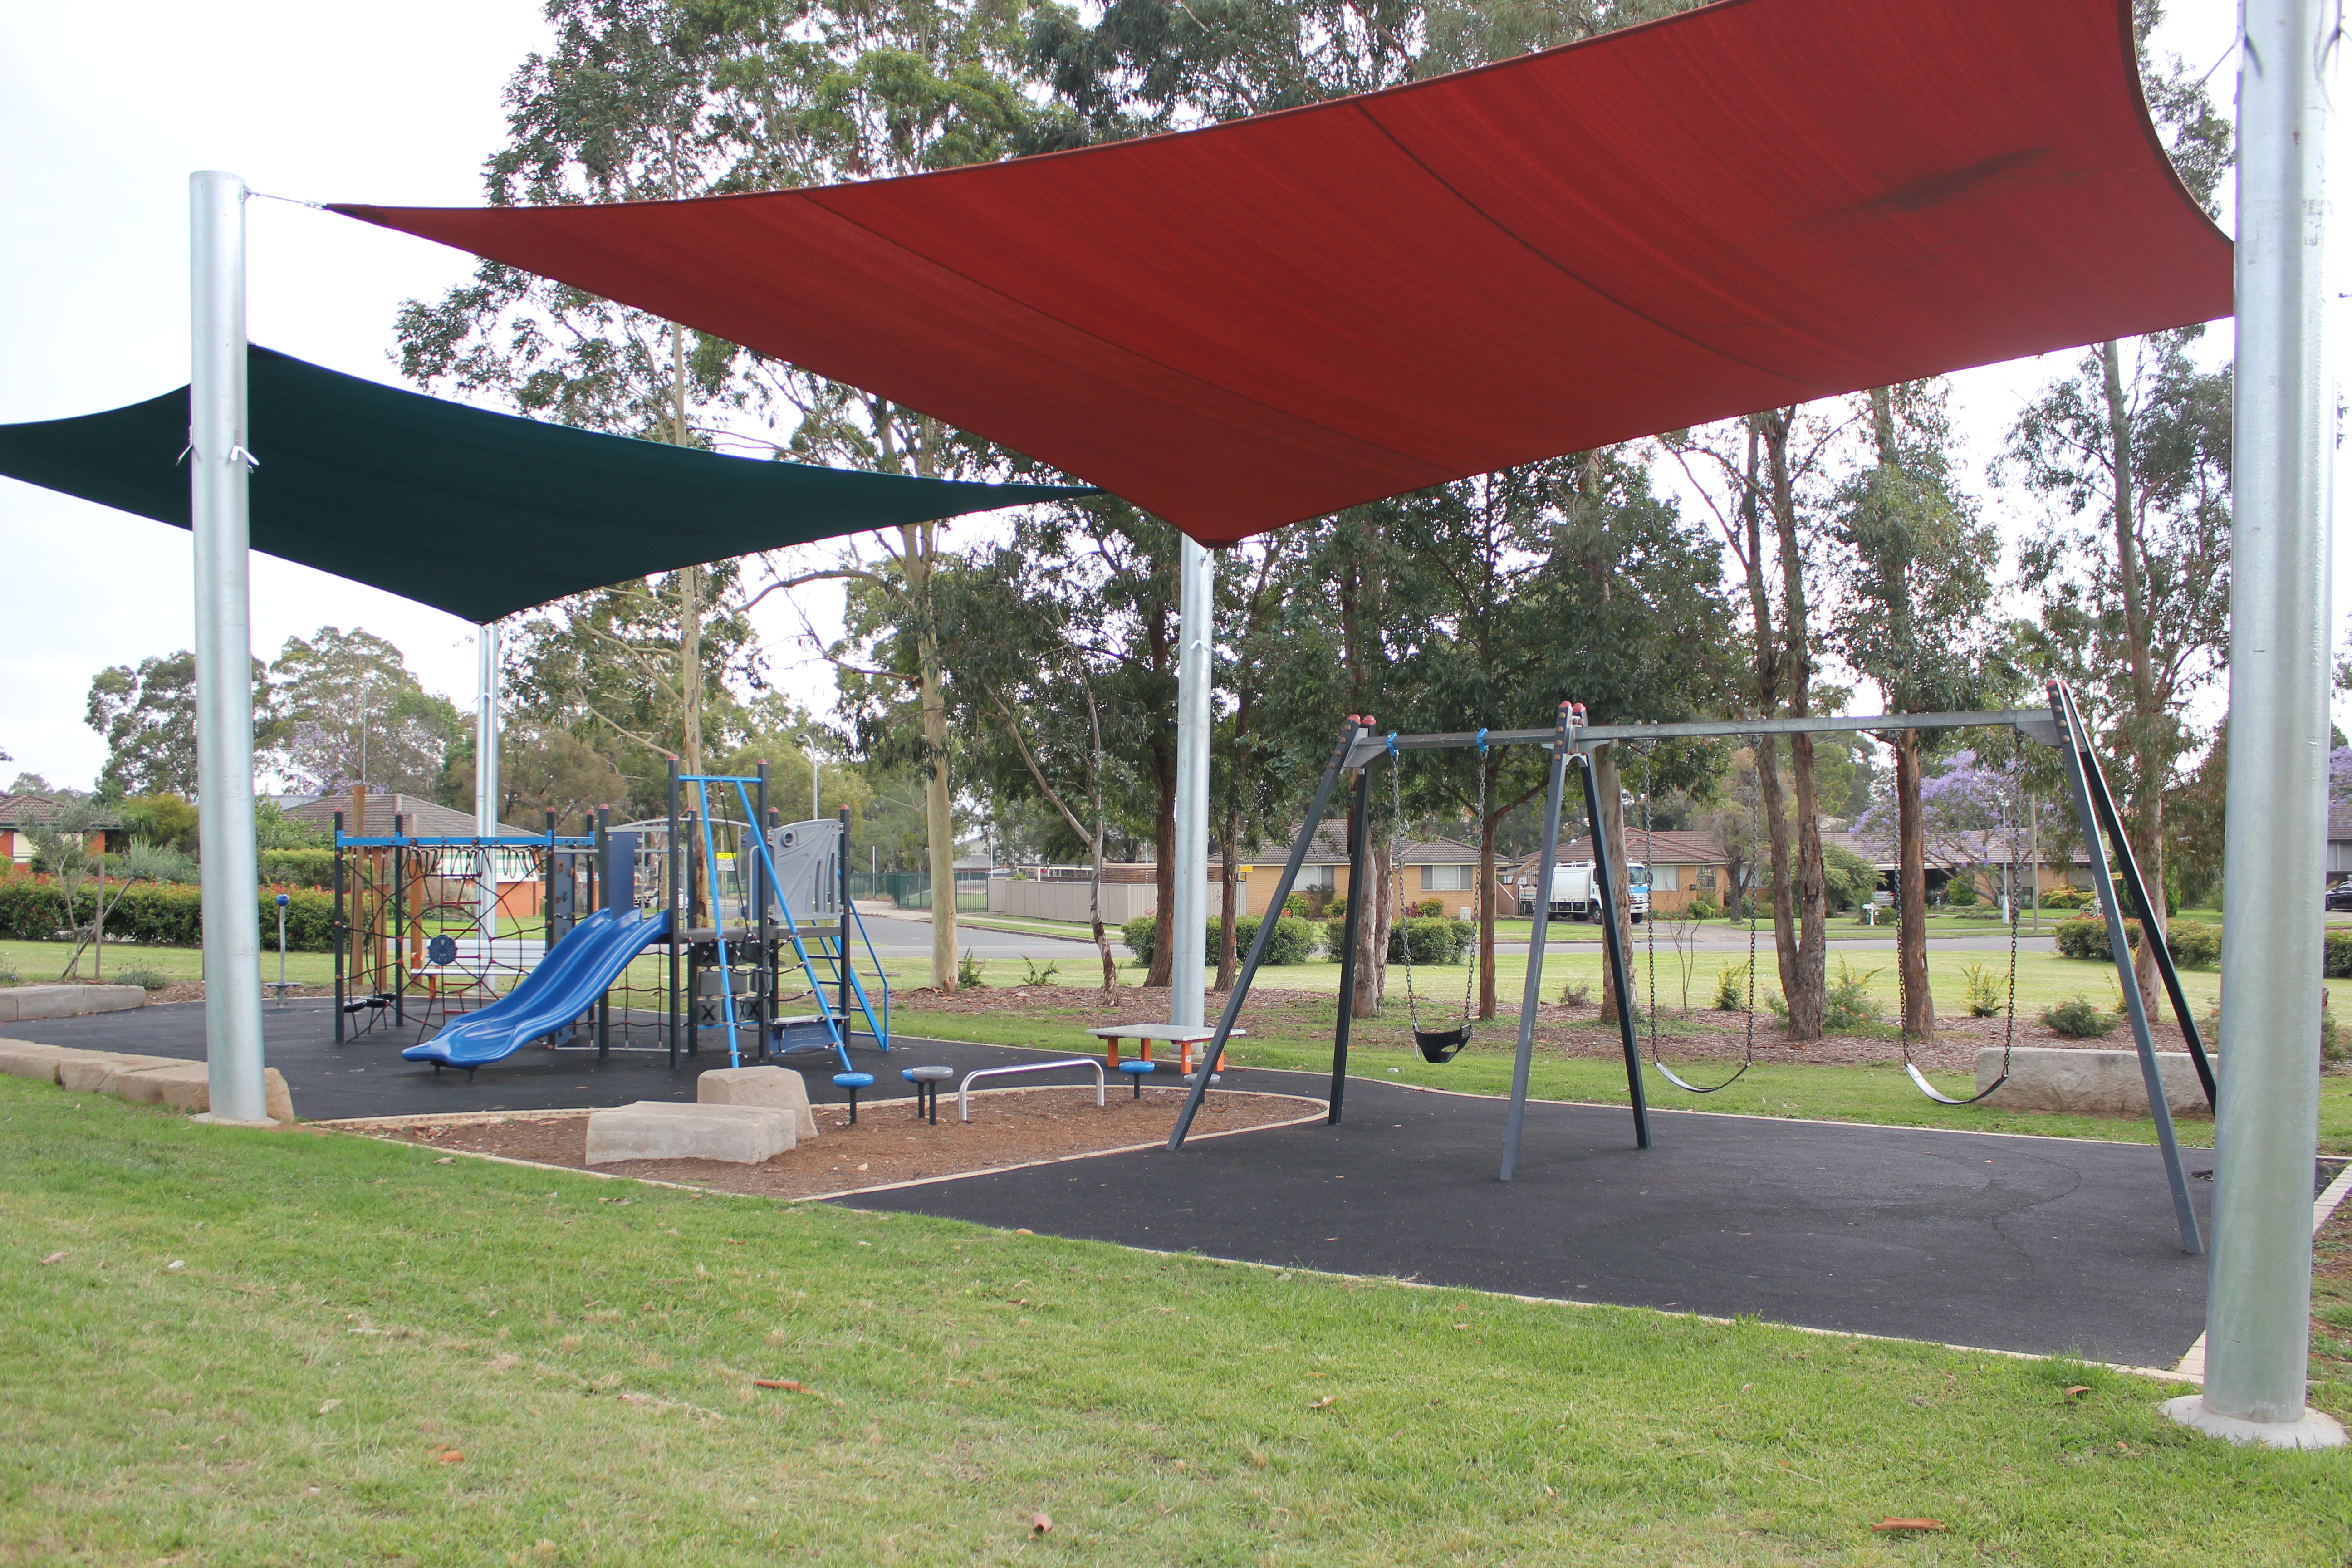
x=218, y=462
x=1188, y=911
x=2266, y=1128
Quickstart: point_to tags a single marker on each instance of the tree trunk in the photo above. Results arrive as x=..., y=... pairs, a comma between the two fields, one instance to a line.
x=1373, y=934
x=1610, y=787
x=1911, y=884
x=1808, y=1000
x=1769, y=801
x=2145, y=822
x=1094, y=908
x=1229, y=878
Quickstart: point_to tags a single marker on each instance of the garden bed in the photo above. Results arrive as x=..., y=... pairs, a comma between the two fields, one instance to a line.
x=887, y=1145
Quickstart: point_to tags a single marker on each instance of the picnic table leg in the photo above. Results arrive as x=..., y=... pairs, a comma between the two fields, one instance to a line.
x=1184, y=1050
x=1110, y=1058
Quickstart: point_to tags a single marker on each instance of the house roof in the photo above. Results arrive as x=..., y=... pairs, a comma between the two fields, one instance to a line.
x=1667, y=846
x=21, y=810
x=1330, y=848
x=420, y=818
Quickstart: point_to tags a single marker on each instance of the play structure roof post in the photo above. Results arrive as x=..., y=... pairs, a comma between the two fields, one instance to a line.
x=2266, y=1131
x=1195, y=675
x=486, y=760
x=218, y=463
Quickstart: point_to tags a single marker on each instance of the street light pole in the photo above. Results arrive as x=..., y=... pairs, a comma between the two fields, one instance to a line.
x=2258, y=1292
x=218, y=464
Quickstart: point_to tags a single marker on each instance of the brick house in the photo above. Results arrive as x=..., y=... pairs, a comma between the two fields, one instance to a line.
x=20, y=812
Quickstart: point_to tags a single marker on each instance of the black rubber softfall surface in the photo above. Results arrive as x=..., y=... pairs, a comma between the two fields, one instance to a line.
x=2043, y=1245
x=2027, y=1244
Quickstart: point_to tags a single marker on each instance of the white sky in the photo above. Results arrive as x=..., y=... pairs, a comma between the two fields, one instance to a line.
x=105, y=117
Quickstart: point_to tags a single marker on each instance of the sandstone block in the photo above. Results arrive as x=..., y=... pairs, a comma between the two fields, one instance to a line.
x=186, y=1086
x=658, y=1130
x=778, y=1089
x=24, y=1059
x=23, y=1003
x=85, y=1072
x=2097, y=1082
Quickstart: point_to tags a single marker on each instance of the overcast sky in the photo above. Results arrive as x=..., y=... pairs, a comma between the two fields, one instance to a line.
x=106, y=114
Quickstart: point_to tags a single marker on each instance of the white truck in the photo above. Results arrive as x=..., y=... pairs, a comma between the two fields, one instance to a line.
x=1576, y=894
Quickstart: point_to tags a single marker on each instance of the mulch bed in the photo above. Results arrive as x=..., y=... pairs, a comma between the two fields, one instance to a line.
x=1010, y=1127
x=1561, y=1030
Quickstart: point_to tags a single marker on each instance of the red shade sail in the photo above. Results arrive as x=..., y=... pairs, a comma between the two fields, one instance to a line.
x=1756, y=203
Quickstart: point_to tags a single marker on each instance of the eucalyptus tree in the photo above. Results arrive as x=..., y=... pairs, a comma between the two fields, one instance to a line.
x=147, y=714
x=1032, y=688
x=2130, y=456
x=1917, y=569
x=643, y=100
x=2129, y=452
x=344, y=708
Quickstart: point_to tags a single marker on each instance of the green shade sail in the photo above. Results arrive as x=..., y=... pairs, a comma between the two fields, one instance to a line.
x=477, y=514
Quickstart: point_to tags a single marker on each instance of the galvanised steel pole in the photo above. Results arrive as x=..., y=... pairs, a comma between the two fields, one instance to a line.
x=486, y=773
x=218, y=462
x=1188, y=914
x=2258, y=1295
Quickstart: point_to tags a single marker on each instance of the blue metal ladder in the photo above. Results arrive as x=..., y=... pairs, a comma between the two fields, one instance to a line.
x=825, y=951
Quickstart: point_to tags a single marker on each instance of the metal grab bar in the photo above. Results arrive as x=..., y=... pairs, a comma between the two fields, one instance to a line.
x=963, y=1094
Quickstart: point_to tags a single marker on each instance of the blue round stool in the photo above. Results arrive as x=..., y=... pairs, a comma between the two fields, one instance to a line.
x=852, y=1082
x=1135, y=1073
x=927, y=1082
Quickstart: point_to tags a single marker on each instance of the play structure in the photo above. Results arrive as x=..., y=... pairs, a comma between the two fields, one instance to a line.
x=1572, y=740
x=650, y=936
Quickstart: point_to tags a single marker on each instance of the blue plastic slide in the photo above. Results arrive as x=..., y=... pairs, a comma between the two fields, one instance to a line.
x=571, y=975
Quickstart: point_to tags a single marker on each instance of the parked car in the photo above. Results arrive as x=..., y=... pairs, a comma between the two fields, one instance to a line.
x=2339, y=897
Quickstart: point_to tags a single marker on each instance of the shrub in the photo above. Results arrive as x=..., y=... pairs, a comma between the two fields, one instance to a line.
x=144, y=978
x=1960, y=891
x=1335, y=938
x=1037, y=975
x=2192, y=943
x=299, y=867
x=1576, y=994
x=1293, y=940
x=1297, y=904
x=2088, y=938
x=9, y=976
x=2338, y=961
x=1429, y=909
x=1432, y=940
x=2077, y=1018
x=166, y=914
x=2066, y=897
x=1983, y=990
x=1142, y=935
x=1700, y=910
x=967, y=973
x=1850, y=1002
x=1731, y=989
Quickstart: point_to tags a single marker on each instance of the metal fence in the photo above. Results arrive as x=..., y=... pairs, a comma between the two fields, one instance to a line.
x=912, y=890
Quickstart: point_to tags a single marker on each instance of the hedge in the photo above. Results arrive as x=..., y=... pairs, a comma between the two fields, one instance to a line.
x=2192, y=943
x=2338, y=962
x=298, y=868
x=1293, y=940
x=1435, y=940
x=161, y=914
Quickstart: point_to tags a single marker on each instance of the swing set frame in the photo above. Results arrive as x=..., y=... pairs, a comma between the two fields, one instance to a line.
x=1359, y=746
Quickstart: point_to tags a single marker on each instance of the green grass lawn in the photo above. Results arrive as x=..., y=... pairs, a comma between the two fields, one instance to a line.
x=1298, y=1037
x=256, y=1348
x=2042, y=978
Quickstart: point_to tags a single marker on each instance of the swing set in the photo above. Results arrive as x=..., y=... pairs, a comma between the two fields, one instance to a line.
x=1570, y=738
